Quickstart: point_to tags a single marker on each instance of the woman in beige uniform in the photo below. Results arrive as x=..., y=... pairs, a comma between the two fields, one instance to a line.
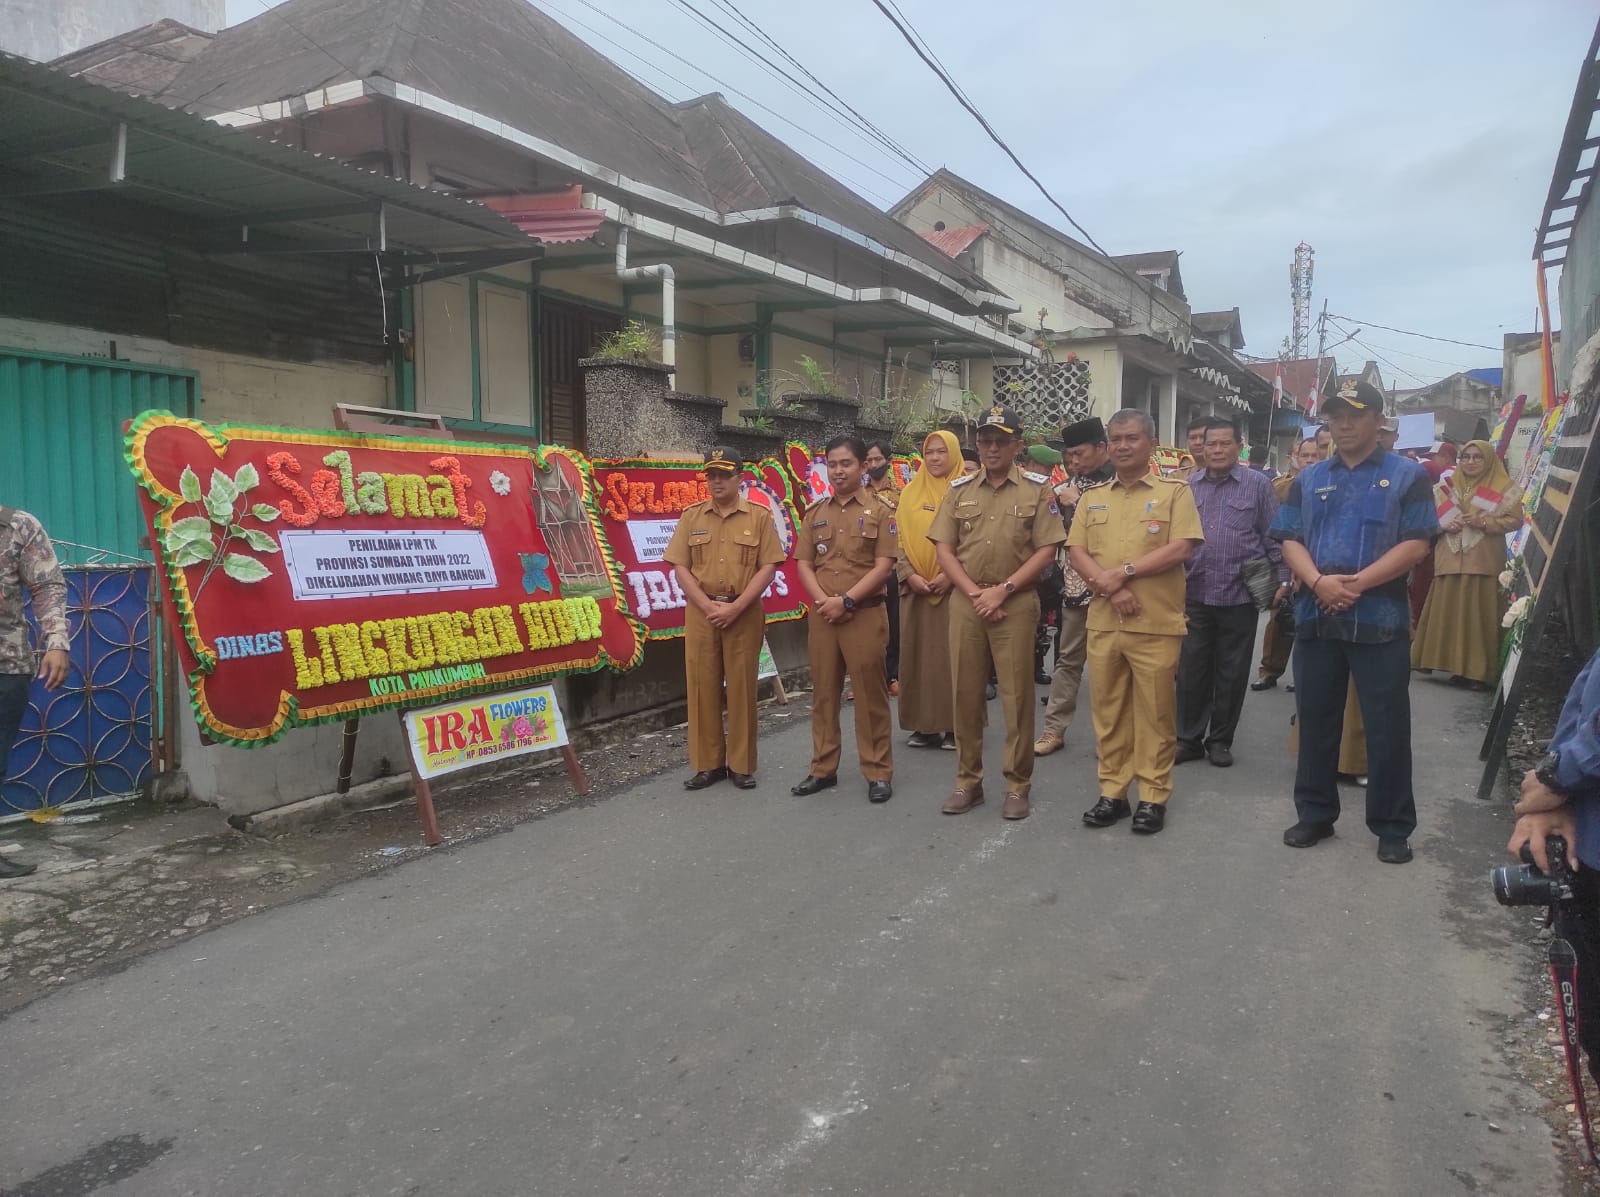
x=927, y=707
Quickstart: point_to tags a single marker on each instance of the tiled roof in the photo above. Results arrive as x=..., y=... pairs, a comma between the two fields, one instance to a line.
x=141, y=62
x=1302, y=377
x=955, y=242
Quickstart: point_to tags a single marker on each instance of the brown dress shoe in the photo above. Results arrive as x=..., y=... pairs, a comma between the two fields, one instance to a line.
x=1014, y=807
x=1047, y=744
x=960, y=802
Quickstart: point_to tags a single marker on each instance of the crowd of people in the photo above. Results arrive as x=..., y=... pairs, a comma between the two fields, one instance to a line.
x=1155, y=586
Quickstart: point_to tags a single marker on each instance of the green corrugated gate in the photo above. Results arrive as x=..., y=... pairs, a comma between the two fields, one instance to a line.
x=61, y=443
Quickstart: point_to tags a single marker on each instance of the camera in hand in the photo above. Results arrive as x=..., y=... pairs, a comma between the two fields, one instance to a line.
x=1525, y=885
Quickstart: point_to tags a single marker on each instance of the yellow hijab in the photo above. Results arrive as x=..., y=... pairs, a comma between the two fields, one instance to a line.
x=919, y=501
x=1495, y=475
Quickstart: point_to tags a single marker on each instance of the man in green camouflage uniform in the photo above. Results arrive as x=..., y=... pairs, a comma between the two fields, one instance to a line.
x=27, y=563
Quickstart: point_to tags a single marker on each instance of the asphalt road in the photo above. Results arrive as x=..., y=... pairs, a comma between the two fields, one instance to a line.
x=754, y=994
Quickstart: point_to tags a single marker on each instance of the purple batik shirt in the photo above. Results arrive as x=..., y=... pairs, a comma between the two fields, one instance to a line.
x=1235, y=512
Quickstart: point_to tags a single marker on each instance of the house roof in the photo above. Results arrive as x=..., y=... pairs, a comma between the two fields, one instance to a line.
x=1214, y=324
x=231, y=192
x=141, y=62
x=507, y=60
x=955, y=242
x=1493, y=376
x=1302, y=377
x=1154, y=262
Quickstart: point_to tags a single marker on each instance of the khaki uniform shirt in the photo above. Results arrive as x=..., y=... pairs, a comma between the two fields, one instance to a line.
x=994, y=529
x=887, y=489
x=1119, y=523
x=723, y=552
x=843, y=540
x=28, y=566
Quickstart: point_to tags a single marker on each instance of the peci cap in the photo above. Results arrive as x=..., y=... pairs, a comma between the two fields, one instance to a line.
x=1083, y=432
x=722, y=459
x=1357, y=396
x=1003, y=417
x=969, y=453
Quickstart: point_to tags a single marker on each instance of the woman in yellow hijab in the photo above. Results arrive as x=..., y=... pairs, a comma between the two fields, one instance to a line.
x=1459, y=632
x=927, y=705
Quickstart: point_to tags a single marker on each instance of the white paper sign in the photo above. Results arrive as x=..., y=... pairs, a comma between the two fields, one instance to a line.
x=332, y=565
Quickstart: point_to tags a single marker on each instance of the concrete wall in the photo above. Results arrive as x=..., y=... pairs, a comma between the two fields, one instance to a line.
x=46, y=29
x=232, y=387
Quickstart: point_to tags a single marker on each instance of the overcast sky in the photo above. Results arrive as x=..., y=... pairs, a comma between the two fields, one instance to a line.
x=1411, y=144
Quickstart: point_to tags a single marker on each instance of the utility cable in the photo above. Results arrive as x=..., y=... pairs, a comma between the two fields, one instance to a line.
x=903, y=26
x=1405, y=332
x=893, y=146
x=692, y=91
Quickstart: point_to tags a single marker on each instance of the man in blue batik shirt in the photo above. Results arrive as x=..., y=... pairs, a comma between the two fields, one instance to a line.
x=1352, y=528
x=1562, y=797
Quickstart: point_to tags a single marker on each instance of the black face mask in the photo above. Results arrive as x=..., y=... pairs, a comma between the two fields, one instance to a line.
x=877, y=472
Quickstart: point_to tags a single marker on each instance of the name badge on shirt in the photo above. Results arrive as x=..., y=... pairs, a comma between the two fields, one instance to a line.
x=820, y=524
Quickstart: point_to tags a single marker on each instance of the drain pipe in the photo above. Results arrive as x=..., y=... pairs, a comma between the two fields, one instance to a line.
x=669, y=314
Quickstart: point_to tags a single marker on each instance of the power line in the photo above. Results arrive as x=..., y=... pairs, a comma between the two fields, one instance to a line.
x=893, y=146
x=903, y=26
x=1378, y=356
x=691, y=90
x=1405, y=332
x=787, y=78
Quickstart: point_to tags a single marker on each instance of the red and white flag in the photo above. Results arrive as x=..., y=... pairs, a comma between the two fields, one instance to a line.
x=1277, y=390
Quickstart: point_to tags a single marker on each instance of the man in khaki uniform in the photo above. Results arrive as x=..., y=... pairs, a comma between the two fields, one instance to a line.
x=726, y=551
x=846, y=553
x=996, y=531
x=1129, y=541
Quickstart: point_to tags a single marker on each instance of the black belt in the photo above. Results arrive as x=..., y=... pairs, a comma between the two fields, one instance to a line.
x=874, y=601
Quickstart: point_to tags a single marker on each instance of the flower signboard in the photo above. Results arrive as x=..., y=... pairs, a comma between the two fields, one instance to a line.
x=473, y=731
x=313, y=576
x=640, y=501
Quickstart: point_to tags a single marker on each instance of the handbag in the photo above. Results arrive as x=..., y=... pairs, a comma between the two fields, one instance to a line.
x=1260, y=578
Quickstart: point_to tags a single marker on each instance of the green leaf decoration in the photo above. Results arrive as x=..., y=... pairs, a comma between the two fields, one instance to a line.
x=265, y=512
x=244, y=569
x=258, y=540
x=219, y=507
x=189, y=485
x=247, y=478
x=196, y=552
x=223, y=485
x=189, y=538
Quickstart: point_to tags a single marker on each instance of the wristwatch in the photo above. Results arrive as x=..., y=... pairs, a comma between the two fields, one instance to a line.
x=1545, y=773
x=1127, y=568
x=1010, y=585
x=849, y=603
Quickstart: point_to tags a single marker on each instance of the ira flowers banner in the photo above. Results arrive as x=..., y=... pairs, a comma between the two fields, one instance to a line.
x=313, y=576
x=640, y=502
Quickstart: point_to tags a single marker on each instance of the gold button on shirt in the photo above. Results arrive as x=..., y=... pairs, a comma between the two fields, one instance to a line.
x=994, y=529
x=843, y=540
x=1118, y=523
x=723, y=552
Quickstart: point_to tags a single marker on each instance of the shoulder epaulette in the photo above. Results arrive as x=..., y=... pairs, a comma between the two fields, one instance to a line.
x=1036, y=479
x=963, y=480
x=889, y=500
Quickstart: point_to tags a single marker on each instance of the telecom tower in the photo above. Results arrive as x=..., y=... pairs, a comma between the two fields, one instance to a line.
x=1300, y=298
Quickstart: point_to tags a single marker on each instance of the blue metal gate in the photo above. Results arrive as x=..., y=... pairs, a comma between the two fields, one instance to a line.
x=89, y=742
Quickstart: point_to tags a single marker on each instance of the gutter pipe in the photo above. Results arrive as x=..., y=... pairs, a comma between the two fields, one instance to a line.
x=669, y=307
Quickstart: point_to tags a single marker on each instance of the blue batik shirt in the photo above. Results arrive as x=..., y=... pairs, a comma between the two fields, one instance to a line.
x=1576, y=747
x=1347, y=517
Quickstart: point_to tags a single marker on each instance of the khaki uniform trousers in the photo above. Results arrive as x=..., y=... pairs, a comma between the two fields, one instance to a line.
x=974, y=643
x=1072, y=645
x=857, y=647
x=722, y=662
x=1134, y=701
x=1275, y=647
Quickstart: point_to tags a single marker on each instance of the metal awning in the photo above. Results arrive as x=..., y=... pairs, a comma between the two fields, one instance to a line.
x=236, y=193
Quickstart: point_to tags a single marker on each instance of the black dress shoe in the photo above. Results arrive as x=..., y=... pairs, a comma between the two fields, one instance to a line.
x=1149, y=818
x=704, y=778
x=1186, y=753
x=1394, y=851
x=812, y=785
x=1106, y=812
x=1041, y=678
x=1264, y=683
x=924, y=740
x=879, y=791
x=10, y=869
x=1304, y=835
x=1290, y=687
x=742, y=781
x=1221, y=755
x=989, y=692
